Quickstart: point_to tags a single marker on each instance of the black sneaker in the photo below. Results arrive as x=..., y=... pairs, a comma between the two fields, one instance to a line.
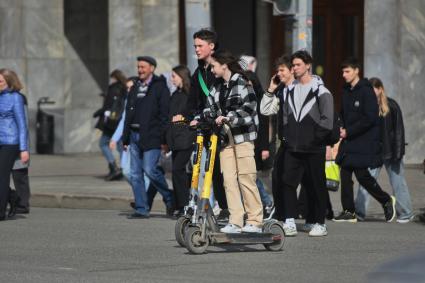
x=346, y=216
x=268, y=211
x=389, y=209
x=223, y=216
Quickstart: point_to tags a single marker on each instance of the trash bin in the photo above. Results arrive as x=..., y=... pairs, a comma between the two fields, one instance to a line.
x=45, y=131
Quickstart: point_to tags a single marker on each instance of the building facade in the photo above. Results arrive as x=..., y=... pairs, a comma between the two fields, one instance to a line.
x=65, y=50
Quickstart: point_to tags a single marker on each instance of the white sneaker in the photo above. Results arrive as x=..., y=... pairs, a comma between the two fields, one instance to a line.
x=307, y=227
x=318, y=230
x=290, y=230
x=231, y=229
x=406, y=220
x=250, y=228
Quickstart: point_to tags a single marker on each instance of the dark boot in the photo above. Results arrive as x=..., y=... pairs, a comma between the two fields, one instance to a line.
x=116, y=173
x=13, y=201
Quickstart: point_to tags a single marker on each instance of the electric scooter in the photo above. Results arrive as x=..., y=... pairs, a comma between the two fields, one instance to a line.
x=201, y=229
x=192, y=207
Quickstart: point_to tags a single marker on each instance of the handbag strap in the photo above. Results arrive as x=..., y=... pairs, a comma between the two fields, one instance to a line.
x=203, y=84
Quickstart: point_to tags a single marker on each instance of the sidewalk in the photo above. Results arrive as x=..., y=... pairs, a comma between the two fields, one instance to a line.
x=75, y=181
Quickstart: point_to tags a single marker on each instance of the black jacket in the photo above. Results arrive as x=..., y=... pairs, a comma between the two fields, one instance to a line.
x=360, y=117
x=197, y=99
x=150, y=112
x=306, y=131
x=179, y=135
x=262, y=141
x=393, y=141
x=114, y=103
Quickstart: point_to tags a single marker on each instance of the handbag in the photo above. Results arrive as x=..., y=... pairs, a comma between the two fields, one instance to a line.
x=332, y=176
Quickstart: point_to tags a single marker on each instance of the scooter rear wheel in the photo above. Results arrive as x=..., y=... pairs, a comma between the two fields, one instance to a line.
x=180, y=230
x=277, y=230
x=194, y=242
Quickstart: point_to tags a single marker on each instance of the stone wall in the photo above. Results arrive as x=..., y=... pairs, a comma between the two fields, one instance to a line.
x=65, y=49
x=394, y=44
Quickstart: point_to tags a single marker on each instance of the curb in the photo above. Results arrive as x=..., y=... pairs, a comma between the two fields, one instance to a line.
x=87, y=202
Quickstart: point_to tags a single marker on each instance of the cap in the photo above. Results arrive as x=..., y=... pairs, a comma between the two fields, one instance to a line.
x=148, y=59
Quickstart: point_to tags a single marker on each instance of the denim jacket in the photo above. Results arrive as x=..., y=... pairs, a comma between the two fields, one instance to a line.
x=13, y=126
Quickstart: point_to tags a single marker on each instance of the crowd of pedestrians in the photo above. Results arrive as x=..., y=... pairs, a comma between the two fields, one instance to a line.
x=142, y=118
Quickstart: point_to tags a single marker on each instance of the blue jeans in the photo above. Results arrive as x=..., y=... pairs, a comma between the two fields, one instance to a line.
x=265, y=197
x=144, y=164
x=395, y=171
x=106, y=151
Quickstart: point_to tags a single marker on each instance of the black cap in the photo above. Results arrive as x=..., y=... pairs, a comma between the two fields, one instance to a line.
x=148, y=59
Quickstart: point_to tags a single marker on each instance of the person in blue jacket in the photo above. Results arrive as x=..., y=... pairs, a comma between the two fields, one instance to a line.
x=13, y=132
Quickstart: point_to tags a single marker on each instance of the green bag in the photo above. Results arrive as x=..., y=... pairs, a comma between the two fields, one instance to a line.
x=332, y=176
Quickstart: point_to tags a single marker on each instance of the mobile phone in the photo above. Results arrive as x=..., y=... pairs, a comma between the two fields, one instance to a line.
x=276, y=79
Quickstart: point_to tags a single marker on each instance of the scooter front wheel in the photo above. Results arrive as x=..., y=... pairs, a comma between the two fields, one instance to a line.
x=278, y=233
x=180, y=230
x=194, y=242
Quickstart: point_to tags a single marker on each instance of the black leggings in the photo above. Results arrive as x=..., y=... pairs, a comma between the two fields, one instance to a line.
x=366, y=180
x=8, y=154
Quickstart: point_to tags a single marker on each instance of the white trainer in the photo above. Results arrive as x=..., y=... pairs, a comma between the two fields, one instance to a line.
x=290, y=230
x=250, y=228
x=231, y=229
x=318, y=230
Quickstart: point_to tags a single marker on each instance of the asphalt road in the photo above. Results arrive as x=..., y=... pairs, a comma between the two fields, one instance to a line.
x=66, y=245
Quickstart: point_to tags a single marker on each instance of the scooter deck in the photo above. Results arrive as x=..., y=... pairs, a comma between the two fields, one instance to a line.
x=244, y=238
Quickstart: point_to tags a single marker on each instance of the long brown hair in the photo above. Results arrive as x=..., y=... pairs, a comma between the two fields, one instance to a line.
x=384, y=109
x=119, y=76
x=11, y=79
x=184, y=73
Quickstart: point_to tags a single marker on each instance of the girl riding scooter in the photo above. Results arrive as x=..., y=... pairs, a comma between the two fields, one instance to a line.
x=232, y=104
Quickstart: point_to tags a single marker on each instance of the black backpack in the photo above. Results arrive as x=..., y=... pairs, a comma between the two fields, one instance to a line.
x=334, y=134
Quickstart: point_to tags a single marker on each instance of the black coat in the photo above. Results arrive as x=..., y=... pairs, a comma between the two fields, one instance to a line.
x=393, y=133
x=179, y=135
x=150, y=112
x=360, y=117
x=262, y=142
x=114, y=103
x=197, y=99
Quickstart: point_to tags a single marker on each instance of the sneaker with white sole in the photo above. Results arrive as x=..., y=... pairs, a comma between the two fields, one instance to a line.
x=405, y=220
x=318, y=230
x=231, y=229
x=389, y=209
x=250, y=228
x=290, y=230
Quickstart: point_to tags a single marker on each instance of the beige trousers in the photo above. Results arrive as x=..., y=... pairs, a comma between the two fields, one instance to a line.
x=239, y=172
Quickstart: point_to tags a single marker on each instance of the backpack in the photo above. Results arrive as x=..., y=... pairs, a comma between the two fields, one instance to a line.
x=334, y=134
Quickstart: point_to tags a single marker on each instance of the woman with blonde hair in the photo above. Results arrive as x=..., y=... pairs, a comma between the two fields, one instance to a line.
x=393, y=149
x=13, y=132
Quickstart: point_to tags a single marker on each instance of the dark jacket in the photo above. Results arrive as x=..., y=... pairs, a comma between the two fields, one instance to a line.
x=262, y=142
x=360, y=117
x=114, y=105
x=179, y=135
x=197, y=99
x=393, y=142
x=307, y=132
x=149, y=111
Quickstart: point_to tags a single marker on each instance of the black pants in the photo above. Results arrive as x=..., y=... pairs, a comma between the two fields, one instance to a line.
x=22, y=186
x=8, y=154
x=180, y=178
x=311, y=166
x=366, y=180
x=219, y=193
x=277, y=186
x=306, y=206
